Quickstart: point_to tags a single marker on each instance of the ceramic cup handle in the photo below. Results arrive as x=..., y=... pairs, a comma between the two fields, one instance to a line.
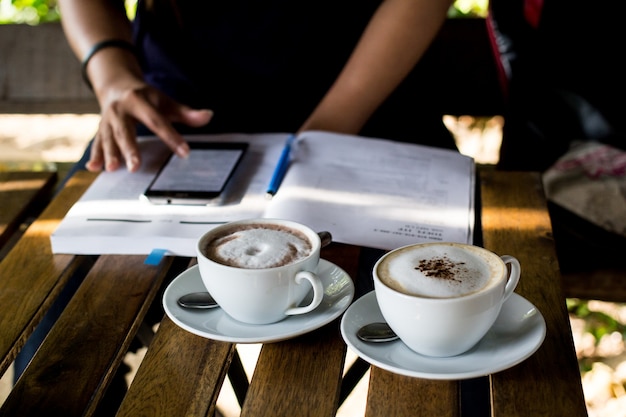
x=514, y=275
x=318, y=293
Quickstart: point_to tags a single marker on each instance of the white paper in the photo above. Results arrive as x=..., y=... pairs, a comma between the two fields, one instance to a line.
x=377, y=193
x=368, y=192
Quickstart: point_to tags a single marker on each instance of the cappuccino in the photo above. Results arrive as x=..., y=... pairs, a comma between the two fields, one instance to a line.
x=440, y=270
x=258, y=246
x=261, y=270
x=442, y=298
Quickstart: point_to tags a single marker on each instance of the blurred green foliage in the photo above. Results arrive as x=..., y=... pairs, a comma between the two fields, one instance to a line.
x=597, y=323
x=33, y=12
x=30, y=12
x=469, y=8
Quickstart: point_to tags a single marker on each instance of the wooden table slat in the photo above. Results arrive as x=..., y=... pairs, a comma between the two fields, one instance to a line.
x=397, y=395
x=78, y=359
x=187, y=384
x=21, y=193
x=309, y=369
x=37, y=285
x=551, y=375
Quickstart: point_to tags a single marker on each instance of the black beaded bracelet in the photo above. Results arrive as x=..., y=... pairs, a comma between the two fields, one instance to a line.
x=110, y=43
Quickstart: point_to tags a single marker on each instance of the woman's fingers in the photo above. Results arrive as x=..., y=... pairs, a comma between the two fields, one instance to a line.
x=116, y=141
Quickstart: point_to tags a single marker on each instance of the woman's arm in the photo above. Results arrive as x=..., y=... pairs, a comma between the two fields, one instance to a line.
x=117, y=81
x=87, y=22
x=395, y=39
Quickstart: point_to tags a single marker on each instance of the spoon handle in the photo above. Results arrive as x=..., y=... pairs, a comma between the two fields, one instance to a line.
x=326, y=238
x=197, y=300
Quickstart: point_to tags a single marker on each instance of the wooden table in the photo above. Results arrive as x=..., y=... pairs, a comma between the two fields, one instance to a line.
x=182, y=374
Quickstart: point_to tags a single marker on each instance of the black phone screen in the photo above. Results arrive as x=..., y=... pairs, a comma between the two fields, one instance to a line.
x=198, y=179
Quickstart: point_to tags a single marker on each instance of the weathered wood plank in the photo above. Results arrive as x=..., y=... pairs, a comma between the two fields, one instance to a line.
x=411, y=396
x=37, y=286
x=549, y=380
x=22, y=194
x=78, y=359
x=309, y=369
x=187, y=384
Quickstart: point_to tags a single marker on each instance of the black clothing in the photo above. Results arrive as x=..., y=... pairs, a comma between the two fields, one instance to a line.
x=264, y=66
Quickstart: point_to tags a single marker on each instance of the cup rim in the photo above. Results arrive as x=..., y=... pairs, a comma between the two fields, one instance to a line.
x=308, y=231
x=430, y=299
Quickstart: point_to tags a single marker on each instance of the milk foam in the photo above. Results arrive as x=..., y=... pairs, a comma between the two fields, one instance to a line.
x=438, y=271
x=256, y=246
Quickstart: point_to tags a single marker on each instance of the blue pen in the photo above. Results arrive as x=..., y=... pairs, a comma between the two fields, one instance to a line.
x=281, y=167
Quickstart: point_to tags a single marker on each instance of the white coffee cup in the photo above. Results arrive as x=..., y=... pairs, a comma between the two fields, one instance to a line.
x=442, y=298
x=248, y=278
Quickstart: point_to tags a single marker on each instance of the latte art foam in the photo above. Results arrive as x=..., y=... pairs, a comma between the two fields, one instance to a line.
x=257, y=246
x=438, y=271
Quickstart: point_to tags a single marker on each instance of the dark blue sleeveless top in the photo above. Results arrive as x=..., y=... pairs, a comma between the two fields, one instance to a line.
x=263, y=66
x=269, y=61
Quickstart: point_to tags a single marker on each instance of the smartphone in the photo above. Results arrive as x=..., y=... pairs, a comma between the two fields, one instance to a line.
x=198, y=179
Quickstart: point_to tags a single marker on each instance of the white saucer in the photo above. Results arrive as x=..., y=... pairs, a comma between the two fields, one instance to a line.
x=216, y=324
x=517, y=333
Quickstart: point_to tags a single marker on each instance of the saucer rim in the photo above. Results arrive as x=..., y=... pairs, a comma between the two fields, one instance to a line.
x=369, y=300
x=326, y=314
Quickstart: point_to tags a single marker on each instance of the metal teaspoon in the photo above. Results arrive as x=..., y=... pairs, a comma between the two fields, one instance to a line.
x=326, y=238
x=376, y=333
x=204, y=300
x=197, y=300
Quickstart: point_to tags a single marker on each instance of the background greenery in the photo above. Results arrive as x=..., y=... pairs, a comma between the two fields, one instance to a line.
x=33, y=12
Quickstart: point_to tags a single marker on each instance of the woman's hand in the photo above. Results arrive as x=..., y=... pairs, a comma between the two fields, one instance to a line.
x=117, y=80
x=122, y=107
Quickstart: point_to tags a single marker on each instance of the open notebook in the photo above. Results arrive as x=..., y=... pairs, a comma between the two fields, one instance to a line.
x=364, y=191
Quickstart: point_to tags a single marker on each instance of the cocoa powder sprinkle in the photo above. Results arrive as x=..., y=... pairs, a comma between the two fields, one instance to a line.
x=442, y=268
